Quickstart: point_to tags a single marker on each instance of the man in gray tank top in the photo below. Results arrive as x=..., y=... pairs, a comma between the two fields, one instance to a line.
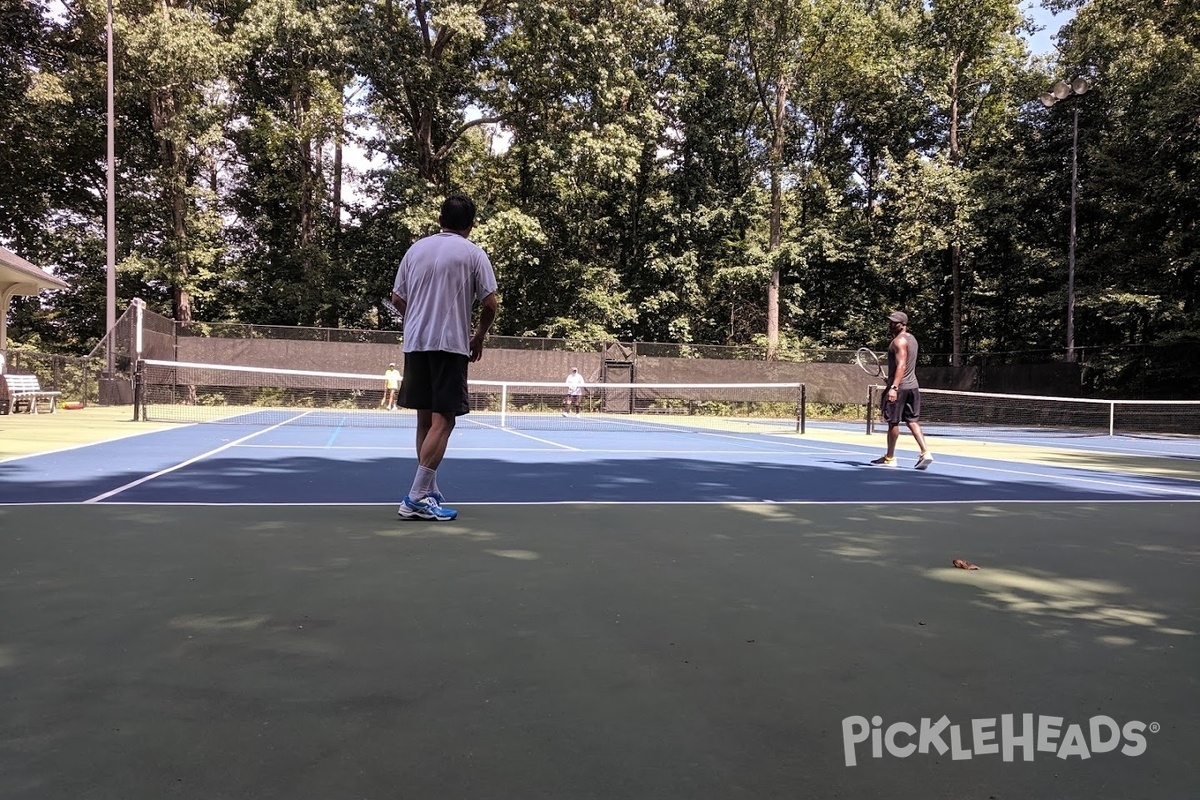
x=901, y=400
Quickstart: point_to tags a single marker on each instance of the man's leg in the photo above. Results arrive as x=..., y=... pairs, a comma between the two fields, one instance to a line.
x=926, y=458
x=891, y=414
x=433, y=436
x=424, y=423
x=424, y=500
x=893, y=435
x=918, y=434
x=911, y=417
x=433, y=444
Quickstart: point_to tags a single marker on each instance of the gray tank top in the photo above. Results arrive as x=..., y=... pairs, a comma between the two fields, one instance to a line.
x=909, y=379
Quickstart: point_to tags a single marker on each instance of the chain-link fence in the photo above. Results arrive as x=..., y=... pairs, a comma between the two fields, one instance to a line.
x=78, y=378
x=1132, y=372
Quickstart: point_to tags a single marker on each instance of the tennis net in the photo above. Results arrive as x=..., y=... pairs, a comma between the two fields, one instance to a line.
x=172, y=391
x=981, y=413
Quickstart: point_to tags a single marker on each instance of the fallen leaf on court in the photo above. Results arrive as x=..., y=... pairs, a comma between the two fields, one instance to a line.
x=963, y=564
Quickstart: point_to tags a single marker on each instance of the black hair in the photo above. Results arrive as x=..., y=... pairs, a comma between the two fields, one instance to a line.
x=458, y=212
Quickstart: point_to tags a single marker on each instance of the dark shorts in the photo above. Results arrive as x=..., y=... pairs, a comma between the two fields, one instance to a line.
x=435, y=381
x=907, y=407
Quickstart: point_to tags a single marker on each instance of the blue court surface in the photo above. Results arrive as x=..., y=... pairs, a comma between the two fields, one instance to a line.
x=313, y=464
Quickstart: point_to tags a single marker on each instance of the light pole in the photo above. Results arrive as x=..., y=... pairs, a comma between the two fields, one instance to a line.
x=110, y=306
x=1061, y=91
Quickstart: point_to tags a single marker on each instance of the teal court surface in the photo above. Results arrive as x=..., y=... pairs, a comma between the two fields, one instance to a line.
x=627, y=610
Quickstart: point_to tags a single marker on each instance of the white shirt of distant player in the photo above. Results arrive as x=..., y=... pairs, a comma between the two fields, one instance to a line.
x=575, y=384
x=441, y=277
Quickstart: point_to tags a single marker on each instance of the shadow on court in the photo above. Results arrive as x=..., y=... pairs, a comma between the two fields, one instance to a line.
x=341, y=479
x=580, y=651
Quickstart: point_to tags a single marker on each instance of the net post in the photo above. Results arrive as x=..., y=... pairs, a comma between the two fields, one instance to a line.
x=1112, y=418
x=800, y=419
x=140, y=305
x=870, y=407
x=138, y=390
x=503, y=405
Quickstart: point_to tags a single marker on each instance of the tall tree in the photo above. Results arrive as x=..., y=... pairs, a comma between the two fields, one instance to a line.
x=791, y=51
x=288, y=99
x=425, y=62
x=1139, y=243
x=172, y=65
x=973, y=48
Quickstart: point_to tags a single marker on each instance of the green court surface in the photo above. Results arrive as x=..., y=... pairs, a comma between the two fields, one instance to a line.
x=595, y=651
x=26, y=434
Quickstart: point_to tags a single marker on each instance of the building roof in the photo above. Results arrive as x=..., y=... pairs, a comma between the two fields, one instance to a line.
x=18, y=276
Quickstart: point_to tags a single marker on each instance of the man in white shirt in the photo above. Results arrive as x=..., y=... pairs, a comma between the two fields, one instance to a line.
x=440, y=279
x=575, y=383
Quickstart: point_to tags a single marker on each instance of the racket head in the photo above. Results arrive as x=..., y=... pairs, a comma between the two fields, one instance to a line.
x=869, y=362
x=390, y=308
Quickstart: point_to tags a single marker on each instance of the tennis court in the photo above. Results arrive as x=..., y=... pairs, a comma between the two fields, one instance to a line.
x=626, y=607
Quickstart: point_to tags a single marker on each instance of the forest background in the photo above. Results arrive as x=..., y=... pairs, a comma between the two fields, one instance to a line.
x=770, y=173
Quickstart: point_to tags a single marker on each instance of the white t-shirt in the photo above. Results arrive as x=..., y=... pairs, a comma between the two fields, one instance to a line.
x=575, y=384
x=441, y=277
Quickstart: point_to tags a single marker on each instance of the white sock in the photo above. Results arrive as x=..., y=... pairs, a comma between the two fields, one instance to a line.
x=422, y=483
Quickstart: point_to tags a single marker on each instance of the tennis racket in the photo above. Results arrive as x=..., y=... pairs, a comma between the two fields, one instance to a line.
x=869, y=362
x=388, y=306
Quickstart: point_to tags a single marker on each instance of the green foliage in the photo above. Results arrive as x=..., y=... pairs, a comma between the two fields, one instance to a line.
x=642, y=168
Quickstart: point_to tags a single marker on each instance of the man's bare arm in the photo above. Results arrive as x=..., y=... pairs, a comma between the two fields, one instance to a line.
x=901, y=361
x=487, y=315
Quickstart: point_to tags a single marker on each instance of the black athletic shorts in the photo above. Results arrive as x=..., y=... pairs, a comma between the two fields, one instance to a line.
x=435, y=380
x=907, y=407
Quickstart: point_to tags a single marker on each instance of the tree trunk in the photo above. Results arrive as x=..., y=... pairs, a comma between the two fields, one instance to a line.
x=305, y=221
x=778, y=140
x=337, y=175
x=162, y=114
x=954, y=254
x=955, y=305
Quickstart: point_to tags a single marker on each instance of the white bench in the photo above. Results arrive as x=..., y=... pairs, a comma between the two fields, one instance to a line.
x=24, y=390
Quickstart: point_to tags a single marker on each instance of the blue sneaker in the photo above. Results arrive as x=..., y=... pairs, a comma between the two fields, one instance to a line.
x=425, y=508
x=437, y=497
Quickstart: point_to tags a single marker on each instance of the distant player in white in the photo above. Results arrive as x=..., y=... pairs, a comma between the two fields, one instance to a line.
x=575, y=383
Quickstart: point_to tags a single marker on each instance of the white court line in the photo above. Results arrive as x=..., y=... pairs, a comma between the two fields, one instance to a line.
x=871, y=503
x=524, y=435
x=646, y=451
x=1060, y=444
x=803, y=448
x=1071, y=478
x=190, y=461
x=736, y=437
